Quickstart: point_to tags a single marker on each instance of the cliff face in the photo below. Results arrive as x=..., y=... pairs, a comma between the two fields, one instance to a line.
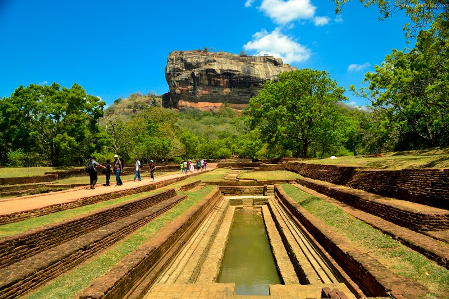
x=204, y=79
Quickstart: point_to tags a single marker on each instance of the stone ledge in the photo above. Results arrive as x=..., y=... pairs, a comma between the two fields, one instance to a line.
x=373, y=277
x=146, y=262
x=412, y=215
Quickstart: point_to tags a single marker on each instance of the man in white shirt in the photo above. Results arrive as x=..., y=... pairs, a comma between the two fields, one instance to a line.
x=138, y=166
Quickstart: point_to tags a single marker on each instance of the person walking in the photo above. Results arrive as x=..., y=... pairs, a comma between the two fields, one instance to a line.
x=198, y=165
x=182, y=167
x=118, y=168
x=202, y=164
x=107, y=172
x=152, y=168
x=205, y=164
x=93, y=172
x=185, y=167
x=138, y=166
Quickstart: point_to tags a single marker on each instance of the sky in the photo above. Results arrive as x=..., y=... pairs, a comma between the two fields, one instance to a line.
x=116, y=48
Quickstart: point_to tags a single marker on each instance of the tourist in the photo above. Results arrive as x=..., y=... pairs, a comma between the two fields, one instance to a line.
x=198, y=165
x=205, y=164
x=107, y=172
x=93, y=172
x=152, y=168
x=202, y=164
x=185, y=167
x=192, y=167
x=138, y=166
x=182, y=167
x=118, y=168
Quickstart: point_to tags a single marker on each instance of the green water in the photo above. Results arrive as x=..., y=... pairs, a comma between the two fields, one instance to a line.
x=248, y=261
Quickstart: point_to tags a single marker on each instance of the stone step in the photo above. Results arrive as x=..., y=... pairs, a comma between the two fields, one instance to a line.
x=25, y=275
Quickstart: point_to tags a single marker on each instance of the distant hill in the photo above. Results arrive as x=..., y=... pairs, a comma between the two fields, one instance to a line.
x=133, y=104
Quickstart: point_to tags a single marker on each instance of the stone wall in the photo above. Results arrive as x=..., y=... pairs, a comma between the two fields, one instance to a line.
x=19, y=216
x=147, y=261
x=373, y=277
x=424, y=186
x=380, y=206
x=33, y=241
x=190, y=185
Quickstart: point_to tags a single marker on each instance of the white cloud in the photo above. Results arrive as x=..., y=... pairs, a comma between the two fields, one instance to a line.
x=43, y=83
x=278, y=45
x=249, y=3
x=338, y=19
x=321, y=21
x=358, y=67
x=283, y=12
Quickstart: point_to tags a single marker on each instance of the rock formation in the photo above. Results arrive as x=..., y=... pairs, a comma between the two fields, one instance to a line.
x=205, y=79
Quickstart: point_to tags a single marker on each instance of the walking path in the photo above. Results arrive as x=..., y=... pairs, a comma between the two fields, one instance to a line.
x=38, y=201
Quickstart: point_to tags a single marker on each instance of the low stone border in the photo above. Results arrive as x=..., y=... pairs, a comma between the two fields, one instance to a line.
x=374, y=278
x=426, y=245
x=22, y=277
x=380, y=206
x=427, y=186
x=19, y=216
x=189, y=185
x=18, y=247
x=146, y=262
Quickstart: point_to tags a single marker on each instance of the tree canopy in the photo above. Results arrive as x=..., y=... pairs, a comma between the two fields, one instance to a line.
x=297, y=111
x=50, y=123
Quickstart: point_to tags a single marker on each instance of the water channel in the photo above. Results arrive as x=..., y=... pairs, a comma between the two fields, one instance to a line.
x=248, y=260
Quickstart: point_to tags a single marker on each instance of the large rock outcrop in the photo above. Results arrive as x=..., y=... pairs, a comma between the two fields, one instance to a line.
x=206, y=79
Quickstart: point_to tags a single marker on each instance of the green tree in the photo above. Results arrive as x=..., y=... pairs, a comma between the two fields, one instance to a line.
x=411, y=89
x=421, y=12
x=58, y=124
x=292, y=112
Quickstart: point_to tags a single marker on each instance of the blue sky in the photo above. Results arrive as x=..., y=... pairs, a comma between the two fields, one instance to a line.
x=115, y=48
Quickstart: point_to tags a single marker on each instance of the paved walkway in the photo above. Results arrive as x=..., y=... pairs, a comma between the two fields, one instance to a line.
x=26, y=203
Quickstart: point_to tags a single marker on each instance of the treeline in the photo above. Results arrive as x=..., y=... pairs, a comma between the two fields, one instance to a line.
x=302, y=114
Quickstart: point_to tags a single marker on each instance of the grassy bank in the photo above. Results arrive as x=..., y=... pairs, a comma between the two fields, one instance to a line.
x=434, y=158
x=391, y=253
x=66, y=286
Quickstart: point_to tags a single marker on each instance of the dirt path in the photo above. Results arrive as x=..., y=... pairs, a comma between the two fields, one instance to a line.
x=27, y=203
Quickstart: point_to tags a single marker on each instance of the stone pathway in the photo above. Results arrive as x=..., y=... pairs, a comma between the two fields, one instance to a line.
x=32, y=202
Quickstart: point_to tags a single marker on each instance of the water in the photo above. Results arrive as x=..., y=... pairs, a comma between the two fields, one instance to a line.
x=248, y=261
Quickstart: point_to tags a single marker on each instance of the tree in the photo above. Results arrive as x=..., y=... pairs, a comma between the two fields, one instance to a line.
x=411, y=89
x=292, y=111
x=59, y=124
x=422, y=13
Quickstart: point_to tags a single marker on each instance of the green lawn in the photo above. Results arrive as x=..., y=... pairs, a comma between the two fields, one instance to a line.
x=12, y=172
x=397, y=257
x=436, y=158
x=269, y=175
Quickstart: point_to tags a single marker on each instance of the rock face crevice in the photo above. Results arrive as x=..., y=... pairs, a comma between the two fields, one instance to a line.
x=206, y=79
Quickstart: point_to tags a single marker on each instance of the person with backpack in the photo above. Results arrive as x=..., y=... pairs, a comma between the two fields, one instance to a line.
x=90, y=168
x=152, y=168
x=138, y=166
x=118, y=168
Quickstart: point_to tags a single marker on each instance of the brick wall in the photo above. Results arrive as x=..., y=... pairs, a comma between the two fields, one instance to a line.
x=20, y=246
x=189, y=185
x=372, y=277
x=424, y=186
x=382, y=207
x=149, y=259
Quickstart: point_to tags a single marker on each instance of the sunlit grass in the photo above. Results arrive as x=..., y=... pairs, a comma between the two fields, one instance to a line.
x=12, y=172
x=436, y=158
x=67, y=285
x=394, y=255
x=269, y=175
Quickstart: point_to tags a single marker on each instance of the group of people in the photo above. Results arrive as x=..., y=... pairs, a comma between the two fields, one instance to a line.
x=190, y=166
x=117, y=168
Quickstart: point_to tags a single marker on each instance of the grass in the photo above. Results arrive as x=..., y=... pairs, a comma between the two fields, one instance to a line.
x=394, y=255
x=102, y=178
x=12, y=172
x=269, y=175
x=66, y=286
x=434, y=158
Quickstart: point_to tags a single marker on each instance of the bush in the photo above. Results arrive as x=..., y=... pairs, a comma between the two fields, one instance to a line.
x=17, y=158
